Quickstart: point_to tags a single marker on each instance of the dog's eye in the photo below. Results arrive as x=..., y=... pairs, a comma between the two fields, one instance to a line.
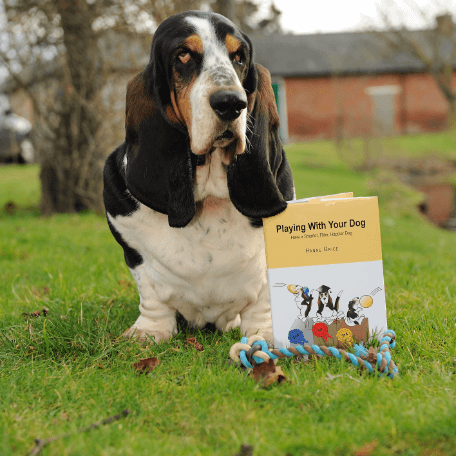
x=184, y=57
x=239, y=57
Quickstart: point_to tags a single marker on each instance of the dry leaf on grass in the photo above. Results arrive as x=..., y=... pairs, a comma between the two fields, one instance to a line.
x=367, y=449
x=10, y=207
x=268, y=373
x=246, y=450
x=39, y=293
x=36, y=313
x=195, y=343
x=125, y=284
x=146, y=365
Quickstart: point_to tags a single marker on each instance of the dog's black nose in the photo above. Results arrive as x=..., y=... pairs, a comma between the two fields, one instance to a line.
x=228, y=104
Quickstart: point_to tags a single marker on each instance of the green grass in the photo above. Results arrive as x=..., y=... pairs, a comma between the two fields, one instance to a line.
x=20, y=185
x=439, y=146
x=72, y=368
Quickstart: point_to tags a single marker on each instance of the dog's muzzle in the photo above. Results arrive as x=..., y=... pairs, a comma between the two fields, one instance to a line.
x=228, y=105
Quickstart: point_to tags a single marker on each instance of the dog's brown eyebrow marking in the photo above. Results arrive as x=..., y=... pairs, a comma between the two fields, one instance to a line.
x=194, y=43
x=232, y=44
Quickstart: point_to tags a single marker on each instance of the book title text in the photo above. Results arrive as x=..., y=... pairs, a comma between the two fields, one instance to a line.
x=312, y=226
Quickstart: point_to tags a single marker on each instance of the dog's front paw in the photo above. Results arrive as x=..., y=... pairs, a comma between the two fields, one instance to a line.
x=264, y=331
x=147, y=330
x=226, y=326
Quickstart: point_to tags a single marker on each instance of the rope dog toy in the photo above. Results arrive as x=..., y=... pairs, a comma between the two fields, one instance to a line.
x=364, y=359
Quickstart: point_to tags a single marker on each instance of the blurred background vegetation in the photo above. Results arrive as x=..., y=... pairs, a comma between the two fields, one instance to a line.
x=374, y=99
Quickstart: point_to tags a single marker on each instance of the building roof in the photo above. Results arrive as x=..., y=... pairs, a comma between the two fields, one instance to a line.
x=334, y=53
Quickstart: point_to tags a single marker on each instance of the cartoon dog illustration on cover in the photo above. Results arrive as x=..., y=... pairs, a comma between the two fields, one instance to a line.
x=303, y=300
x=357, y=305
x=329, y=325
x=353, y=315
x=327, y=310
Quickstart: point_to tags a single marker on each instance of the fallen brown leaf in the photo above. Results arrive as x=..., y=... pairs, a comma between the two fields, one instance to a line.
x=36, y=313
x=146, y=365
x=124, y=283
x=10, y=207
x=268, y=373
x=195, y=343
x=39, y=293
x=246, y=450
x=367, y=449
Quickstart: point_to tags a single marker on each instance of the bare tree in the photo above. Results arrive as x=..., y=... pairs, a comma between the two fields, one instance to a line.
x=56, y=42
x=434, y=47
x=245, y=14
x=39, y=33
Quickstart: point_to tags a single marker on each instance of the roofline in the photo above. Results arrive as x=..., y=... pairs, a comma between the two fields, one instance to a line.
x=335, y=73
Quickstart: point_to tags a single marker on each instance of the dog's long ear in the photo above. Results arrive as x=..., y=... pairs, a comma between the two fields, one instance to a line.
x=251, y=79
x=260, y=179
x=159, y=171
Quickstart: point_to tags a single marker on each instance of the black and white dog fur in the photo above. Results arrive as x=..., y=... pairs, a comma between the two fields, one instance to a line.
x=201, y=165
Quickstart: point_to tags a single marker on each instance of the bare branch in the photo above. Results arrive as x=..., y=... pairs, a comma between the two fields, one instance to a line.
x=41, y=443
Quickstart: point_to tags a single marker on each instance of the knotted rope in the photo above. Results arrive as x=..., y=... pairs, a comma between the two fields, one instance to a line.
x=371, y=359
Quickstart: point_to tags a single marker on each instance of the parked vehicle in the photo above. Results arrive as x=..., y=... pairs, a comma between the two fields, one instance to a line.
x=15, y=133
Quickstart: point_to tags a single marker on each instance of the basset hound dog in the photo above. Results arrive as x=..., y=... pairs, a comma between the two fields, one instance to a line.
x=201, y=165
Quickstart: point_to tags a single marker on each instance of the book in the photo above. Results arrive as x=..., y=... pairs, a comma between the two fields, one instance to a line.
x=325, y=272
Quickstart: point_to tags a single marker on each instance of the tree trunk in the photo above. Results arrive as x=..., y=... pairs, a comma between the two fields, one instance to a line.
x=71, y=165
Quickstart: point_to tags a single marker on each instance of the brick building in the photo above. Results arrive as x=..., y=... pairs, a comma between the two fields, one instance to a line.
x=346, y=84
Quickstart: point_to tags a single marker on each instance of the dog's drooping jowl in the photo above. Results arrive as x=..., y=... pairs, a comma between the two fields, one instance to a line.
x=201, y=165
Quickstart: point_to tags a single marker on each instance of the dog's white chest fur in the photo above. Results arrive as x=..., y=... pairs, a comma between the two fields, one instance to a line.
x=209, y=271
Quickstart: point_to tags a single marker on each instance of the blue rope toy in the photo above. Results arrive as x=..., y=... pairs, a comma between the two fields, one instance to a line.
x=364, y=359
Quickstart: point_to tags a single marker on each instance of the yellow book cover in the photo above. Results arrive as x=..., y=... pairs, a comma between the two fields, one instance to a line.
x=325, y=272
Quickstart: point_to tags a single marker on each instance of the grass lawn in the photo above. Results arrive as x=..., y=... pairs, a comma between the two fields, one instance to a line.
x=440, y=146
x=70, y=369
